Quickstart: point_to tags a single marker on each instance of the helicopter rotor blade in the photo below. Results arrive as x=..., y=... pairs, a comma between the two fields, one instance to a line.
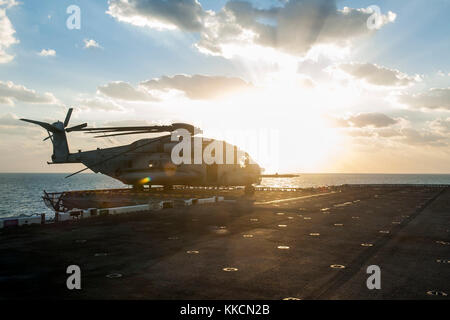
x=121, y=134
x=69, y=114
x=139, y=128
x=44, y=125
x=77, y=127
x=146, y=129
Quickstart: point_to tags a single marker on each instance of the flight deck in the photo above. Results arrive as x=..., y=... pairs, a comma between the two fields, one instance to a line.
x=289, y=244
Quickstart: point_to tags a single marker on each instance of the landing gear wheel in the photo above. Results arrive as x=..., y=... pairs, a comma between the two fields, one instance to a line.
x=138, y=187
x=249, y=190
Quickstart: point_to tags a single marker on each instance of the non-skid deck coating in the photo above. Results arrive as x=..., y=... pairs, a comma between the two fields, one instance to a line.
x=245, y=250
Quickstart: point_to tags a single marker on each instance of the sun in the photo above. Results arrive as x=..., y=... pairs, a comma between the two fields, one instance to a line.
x=280, y=124
x=279, y=120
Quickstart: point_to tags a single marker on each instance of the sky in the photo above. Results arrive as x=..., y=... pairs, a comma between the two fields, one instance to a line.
x=303, y=85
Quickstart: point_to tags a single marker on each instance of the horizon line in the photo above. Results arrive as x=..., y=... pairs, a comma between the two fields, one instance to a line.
x=298, y=173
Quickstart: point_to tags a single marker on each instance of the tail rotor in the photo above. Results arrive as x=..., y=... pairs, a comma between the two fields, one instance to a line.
x=68, y=115
x=57, y=134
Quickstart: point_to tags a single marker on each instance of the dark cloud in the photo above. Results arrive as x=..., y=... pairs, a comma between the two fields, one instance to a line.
x=292, y=27
x=297, y=25
x=198, y=87
x=374, y=119
x=184, y=14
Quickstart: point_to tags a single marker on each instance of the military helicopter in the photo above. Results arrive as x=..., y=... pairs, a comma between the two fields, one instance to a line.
x=150, y=161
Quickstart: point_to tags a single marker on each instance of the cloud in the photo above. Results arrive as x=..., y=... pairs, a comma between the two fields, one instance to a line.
x=91, y=43
x=440, y=125
x=435, y=98
x=389, y=132
x=159, y=14
x=6, y=31
x=98, y=103
x=47, y=53
x=11, y=120
x=10, y=92
x=434, y=133
x=424, y=137
x=8, y=3
x=11, y=125
x=406, y=136
x=376, y=75
x=6, y=100
x=124, y=91
x=361, y=120
x=198, y=87
x=306, y=81
x=374, y=119
x=293, y=27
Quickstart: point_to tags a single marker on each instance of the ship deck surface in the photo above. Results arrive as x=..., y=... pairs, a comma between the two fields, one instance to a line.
x=281, y=245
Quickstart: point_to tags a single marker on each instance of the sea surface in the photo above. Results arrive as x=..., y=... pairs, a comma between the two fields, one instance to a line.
x=20, y=193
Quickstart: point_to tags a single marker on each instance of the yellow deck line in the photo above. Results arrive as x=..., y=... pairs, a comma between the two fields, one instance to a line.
x=297, y=198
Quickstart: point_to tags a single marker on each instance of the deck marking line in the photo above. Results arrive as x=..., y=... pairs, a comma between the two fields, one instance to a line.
x=297, y=198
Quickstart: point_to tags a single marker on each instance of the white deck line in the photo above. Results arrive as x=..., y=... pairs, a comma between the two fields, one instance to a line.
x=297, y=198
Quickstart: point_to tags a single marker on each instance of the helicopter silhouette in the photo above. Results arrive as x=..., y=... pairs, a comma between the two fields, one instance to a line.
x=150, y=161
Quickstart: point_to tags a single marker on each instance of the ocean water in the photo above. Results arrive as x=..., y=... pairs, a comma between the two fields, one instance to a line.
x=332, y=179
x=20, y=193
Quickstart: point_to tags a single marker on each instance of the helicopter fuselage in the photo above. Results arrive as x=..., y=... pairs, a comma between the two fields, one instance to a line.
x=149, y=162
x=156, y=161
